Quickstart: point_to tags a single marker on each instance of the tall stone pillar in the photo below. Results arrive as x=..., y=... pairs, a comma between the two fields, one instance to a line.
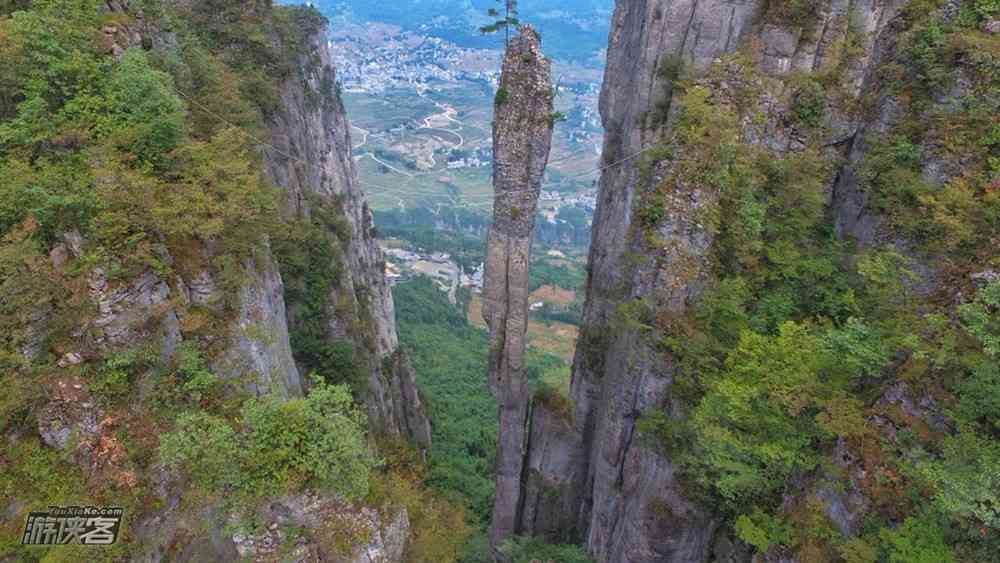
x=522, y=138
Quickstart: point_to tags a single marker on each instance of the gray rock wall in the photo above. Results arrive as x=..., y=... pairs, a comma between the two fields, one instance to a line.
x=590, y=479
x=312, y=159
x=522, y=139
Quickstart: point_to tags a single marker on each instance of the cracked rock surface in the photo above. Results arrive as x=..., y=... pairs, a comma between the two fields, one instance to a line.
x=522, y=138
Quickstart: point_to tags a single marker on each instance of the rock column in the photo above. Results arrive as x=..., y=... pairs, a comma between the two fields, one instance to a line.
x=522, y=137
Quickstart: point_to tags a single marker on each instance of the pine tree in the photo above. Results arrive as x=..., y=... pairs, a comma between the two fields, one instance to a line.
x=509, y=20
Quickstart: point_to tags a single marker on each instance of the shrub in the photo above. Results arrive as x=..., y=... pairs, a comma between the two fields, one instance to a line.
x=206, y=448
x=860, y=350
x=966, y=480
x=754, y=426
x=501, y=97
x=524, y=549
x=114, y=379
x=917, y=540
x=763, y=530
x=857, y=550
x=979, y=396
x=891, y=172
x=652, y=211
x=197, y=380
x=927, y=52
x=279, y=447
x=802, y=13
x=670, y=72
x=144, y=114
x=982, y=318
x=809, y=103
x=319, y=440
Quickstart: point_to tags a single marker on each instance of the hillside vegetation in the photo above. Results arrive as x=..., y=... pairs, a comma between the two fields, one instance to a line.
x=140, y=238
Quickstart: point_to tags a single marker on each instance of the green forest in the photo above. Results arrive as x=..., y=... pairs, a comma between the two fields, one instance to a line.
x=783, y=359
x=449, y=356
x=146, y=240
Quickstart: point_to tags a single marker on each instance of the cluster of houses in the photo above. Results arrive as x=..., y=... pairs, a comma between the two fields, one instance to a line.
x=476, y=159
x=402, y=265
x=397, y=63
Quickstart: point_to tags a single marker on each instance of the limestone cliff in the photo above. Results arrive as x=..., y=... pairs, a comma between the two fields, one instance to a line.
x=590, y=477
x=109, y=342
x=522, y=138
x=311, y=161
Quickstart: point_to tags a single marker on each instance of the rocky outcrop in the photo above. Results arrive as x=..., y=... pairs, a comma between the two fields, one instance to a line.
x=591, y=479
x=522, y=139
x=149, y=310
x=381, y=537
x=259, y=345
x=310, y=159
x=72, y=422
x=237, y=324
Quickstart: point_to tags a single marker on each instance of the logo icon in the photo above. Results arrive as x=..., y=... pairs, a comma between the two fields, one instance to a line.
x=83, y=525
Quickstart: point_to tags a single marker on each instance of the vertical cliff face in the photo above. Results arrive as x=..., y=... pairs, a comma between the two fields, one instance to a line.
x=592, y=478
x=119, y=340
x=311, y=161
x=522, y=138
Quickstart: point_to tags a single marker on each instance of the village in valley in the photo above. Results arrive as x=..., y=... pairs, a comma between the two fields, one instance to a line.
x=421, y=106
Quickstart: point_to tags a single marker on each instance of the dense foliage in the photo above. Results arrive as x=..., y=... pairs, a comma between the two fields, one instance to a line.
x=131, y=148
x=792, y=353
x=449, y=356
x=277, y=447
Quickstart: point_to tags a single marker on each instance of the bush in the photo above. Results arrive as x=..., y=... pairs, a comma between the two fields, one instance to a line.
x=917, y=540
x=763, y=530
x=754, y=427
x=144, y=114
x=966, y=480
x=114, y=380
x=524, y=549
x=197, y=380
x=279, y=447
x=982, y=318
x=802, y=13
x=809, y=103
x=502, y=96
x=205, y=448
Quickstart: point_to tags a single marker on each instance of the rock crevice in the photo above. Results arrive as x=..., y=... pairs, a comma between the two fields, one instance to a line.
x=312, y=163
x=522, y=138
x=592, y=479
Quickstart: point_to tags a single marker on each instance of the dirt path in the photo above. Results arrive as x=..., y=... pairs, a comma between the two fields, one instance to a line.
x=364, y=141
x=386, y=164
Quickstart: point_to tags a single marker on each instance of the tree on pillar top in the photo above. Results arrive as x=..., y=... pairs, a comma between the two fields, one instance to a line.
x=508, y=20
